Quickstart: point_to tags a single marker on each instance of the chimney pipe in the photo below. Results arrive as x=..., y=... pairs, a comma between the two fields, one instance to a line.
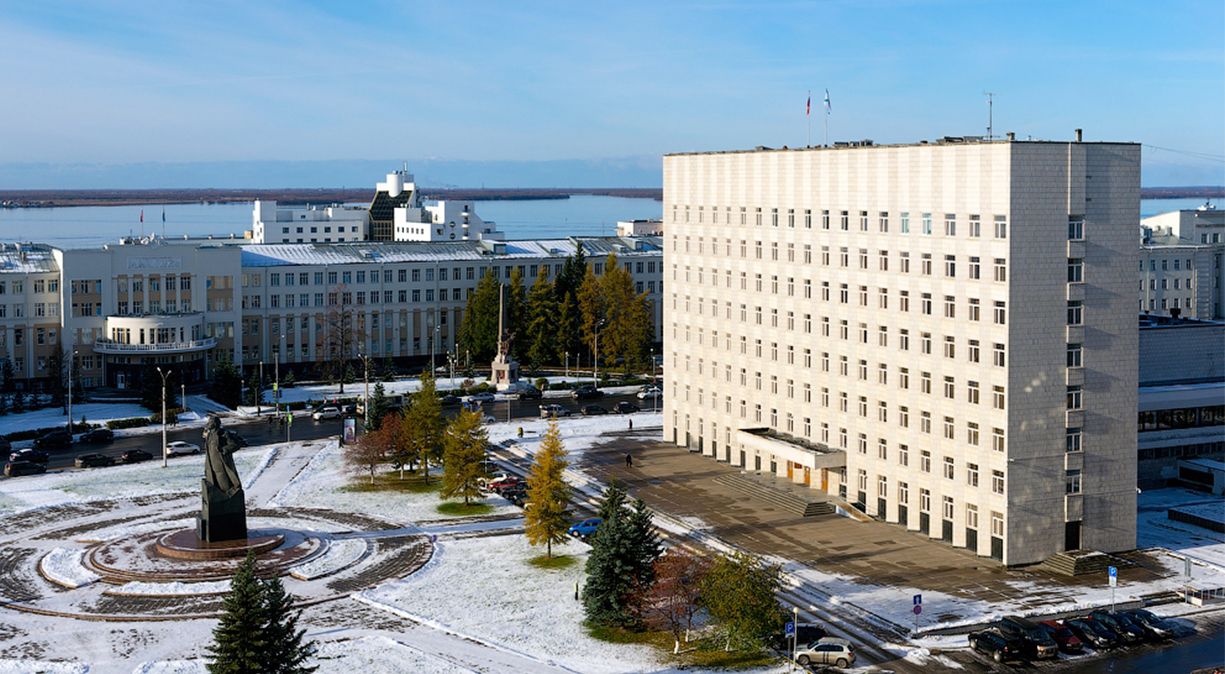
x=1080, y=134
x=1012, y=136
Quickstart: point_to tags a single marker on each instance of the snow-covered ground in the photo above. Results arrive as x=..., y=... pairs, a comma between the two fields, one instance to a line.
x=56, y=488
x=320, y=392
x=50, y=417
x=577, y=433
x=1155, y=529
x=323, y=482
x=484, y=589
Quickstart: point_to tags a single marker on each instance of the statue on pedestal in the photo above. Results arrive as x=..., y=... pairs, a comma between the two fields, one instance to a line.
x=504, y=370
x=223, y=508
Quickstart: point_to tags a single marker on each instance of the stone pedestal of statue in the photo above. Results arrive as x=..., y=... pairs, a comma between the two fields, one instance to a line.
x=223, y=517
x=504, y=371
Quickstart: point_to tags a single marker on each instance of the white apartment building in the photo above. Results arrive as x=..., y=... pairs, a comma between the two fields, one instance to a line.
x=184, y=304
x=309, y=224
x=1181, y=270
x=443, y=221
x=941, y=332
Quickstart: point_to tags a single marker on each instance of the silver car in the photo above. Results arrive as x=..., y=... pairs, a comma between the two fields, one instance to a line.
x=827, y=651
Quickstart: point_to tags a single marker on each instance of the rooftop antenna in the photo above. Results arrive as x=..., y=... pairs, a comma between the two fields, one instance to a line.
x=990, y=96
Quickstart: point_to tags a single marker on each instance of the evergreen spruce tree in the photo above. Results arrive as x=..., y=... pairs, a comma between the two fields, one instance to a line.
x=547, y=521
x=478, y=331
x=610, y=573
x=288, y=380
x=240, y=641
x=19, y=402
x=614, y=501
x=56, y=385
x=387, y=370
x=225, y=386
x=516, y=304
x=540, y=333
x=647, y=548
x=7, y=373
x=376, y=407
x=151, y=390
x=4, y=405
x=463, y=452
x=255, y=390
x=286, y=652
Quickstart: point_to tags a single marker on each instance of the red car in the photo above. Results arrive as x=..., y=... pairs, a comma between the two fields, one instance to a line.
x=1068, y=642
x=498, y=486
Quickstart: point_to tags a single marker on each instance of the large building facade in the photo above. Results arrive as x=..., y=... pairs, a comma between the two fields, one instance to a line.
x=121, y=310
x=1181, y=264
x=944, y=333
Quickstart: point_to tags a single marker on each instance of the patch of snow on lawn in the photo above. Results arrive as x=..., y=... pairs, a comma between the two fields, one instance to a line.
x=322, y=484
x=134, y=529
x=14, y=666
x=378, y=655
x=340, y=554
x=484, y=589
x=49, y=417
x=64, y=567
x=172, y=667
x=577, y=433
x=1155, y=529
x=174, y=589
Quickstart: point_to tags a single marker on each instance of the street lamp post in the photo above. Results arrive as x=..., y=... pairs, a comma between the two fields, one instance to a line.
x=595, y=358
x=795, y=631
x=566, y=363
x=654, y=399
x=276, y=390
x=259, y=388
x=163, y=374
x=70, y=359
x=365, y=389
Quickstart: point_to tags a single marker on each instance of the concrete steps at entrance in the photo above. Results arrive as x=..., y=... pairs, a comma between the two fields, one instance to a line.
x=1083, y=562
x=783, y=496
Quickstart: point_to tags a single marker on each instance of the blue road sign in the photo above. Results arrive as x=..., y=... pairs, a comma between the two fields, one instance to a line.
x=918, y=599
x=789, y=628
x=1112, y=571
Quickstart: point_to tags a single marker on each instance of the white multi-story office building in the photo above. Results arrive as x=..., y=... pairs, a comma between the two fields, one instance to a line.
x=308, y=224
x=1181, y=270
x=182, y=304
x=943, y=332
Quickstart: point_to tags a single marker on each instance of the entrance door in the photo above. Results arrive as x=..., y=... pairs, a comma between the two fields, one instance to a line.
x=1071, y=536
x=972, y=539
x=807, y=477
x=825, y=480
x=744, y=461
x=790, y=471
x=121, y=380
x=757, y=462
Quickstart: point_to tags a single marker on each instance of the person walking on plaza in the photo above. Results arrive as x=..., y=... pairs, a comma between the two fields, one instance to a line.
x=629, y=460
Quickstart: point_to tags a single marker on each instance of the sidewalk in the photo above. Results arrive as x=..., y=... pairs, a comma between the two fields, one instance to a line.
x=865, y=562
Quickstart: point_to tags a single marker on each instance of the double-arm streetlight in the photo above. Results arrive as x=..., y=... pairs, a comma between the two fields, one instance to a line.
x=70, y=359
x=165, y=450
x=595, y=359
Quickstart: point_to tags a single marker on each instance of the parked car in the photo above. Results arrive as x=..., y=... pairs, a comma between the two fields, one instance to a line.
x=516, y=494
x=625, y=407
x=482, y=398
x=498, y=484
x=650, y=393
x=1037, y=642
x=525, y=391
x=57, y=439
x=98, y=435
x=1092, y=632
x=827, y=651
x=1156, y=626
x=326, y=413
x=1129, y=631
x=581, y=530
x=1067, y=640
x=5, y=445
x=996, y=646
x=806, y=633
x=19, y=468
x=31, y=455
x=553, y=410
x=93, y=461
x=449, y=399
x=180, y=448
x=587, y=392
x=593, y=410
x=134, y=456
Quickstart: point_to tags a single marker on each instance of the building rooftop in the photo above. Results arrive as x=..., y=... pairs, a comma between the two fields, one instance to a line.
x=276, y=255
x=26, y=258
x=944, y=141
x=1153, y=321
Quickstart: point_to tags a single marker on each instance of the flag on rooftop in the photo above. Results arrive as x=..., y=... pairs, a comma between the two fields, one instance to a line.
x=827, y=107
x=808, y=105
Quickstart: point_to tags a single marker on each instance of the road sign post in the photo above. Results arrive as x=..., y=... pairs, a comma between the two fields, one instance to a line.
x=918, y=609
x=1113, y=574
x=792, y=629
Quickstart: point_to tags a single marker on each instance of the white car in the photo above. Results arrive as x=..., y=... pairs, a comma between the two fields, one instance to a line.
x=827, y=651
x=485, y=397
x=326, y=413
x=180, y=448
x=650, y=393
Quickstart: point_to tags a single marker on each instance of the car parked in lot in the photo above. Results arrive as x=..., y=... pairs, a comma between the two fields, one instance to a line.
x=1067, y=640
x=482, y=397
x=5, y=445
x=1093, y=633
x=31, y=455
x=593, y=410
x=625, y=407
x=1037, y=643
x=517, y=494
x=524, y=391
x=1156, y=626
x=553, y=410
x=501, y=481
x=650, y=392
x=19, y=468
x=181, y=448
x=98, y=436
x=449, y=399
x=326, y=413
x=134, y=456
x=581, y=530
x=827, y=651
x=93, y=461
x=1124, y=627
x=587, y=392
x=57, y=439
x=996, y=646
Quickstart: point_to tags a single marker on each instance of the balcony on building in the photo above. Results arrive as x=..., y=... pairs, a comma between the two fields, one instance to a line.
x=155, y=334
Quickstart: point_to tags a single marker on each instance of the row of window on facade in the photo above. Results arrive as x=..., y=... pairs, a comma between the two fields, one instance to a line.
x=1185, y=417
x=1165, y=265
x=804, y=217
x=327, y=229
x=416, y=275
x=136, y=284
x=41, y=310
x=17, y=287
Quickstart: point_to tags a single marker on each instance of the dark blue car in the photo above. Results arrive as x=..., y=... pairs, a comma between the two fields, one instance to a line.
x=581, y=530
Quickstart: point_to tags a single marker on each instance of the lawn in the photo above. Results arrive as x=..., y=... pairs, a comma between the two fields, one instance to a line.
x=411, y=483
x=461, y=509
x=554, y=562
x=703, y=653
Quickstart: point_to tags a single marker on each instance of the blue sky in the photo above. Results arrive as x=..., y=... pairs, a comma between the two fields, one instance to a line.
x=120, y=82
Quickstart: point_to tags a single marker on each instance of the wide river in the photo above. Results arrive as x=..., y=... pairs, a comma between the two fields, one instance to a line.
x=580, y=215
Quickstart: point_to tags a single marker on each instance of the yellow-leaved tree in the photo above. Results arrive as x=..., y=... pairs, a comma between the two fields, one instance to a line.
x=547, y=520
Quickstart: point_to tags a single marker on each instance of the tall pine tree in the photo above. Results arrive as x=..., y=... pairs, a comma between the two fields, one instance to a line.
x=647, y=548
x=547, y=521
x=478, y=331
x=610, y=573
x=540, y=333
x=286, y=653
x=240, y=640
x=463, y=452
